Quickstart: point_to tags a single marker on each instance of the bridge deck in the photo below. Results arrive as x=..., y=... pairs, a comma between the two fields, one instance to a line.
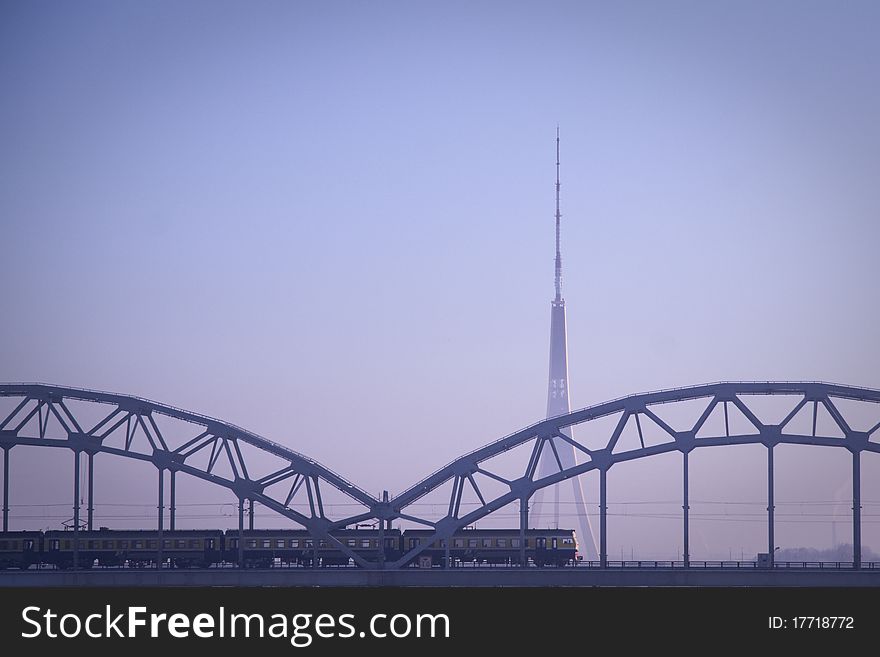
x=455, y=578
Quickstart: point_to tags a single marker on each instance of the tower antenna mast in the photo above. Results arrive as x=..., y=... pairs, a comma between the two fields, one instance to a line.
x=558, y=222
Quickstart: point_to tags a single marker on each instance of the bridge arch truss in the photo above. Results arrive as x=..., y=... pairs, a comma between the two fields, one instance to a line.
x=224, y=441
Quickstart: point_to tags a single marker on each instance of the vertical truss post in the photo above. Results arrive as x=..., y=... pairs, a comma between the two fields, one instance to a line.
x=173, y=508
x=241, y=532
x=251, y=514
x=685, y=508
x=5, y=489
x=771, y=548
x=603, y=517
x=381, y=563
x=857, y=508
x=161, y=519
x=75, y=509
x=90, y=510
x=523, y=525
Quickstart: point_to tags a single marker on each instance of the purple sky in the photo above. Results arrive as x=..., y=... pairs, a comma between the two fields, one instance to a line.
x=332, y=223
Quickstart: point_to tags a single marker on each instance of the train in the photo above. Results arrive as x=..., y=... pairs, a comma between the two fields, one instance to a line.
x=266, y=548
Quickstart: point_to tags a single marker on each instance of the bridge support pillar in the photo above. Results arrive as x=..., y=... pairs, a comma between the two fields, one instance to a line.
x=771, y=540
x=685, y=508
x=381, y=562
x=241, y=532
x=523, y=525
x=161, y=507
x=5, y=489
x=251, y=514
x=603, y=517
x=857, y=508
x=90, y=510
x=75, y=509
x=172, y=509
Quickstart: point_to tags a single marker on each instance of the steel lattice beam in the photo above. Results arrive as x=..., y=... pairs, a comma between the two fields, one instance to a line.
x=223, y=441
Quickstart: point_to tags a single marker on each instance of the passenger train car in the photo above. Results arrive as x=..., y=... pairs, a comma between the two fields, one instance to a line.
x=265, y=548
x=556, y=547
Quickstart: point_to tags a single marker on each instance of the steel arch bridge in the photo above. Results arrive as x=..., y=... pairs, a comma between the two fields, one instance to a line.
x=128, y=428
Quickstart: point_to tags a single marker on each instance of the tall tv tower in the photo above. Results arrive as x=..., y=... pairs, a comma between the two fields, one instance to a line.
x=558, y=404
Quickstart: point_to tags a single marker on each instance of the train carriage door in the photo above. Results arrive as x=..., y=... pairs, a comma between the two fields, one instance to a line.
x=541, y=543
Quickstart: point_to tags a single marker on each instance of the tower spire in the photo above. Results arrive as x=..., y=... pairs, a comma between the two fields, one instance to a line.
x=558, y=403
x=558, y=222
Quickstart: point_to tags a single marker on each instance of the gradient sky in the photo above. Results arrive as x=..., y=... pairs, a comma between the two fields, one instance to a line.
x=332, y=222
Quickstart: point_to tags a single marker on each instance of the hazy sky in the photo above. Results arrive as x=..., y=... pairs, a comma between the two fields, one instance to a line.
x=332, y=222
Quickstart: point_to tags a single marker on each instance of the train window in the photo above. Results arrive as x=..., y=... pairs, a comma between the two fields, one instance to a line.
x=351, y=542
x=194, y=544
x=365, y=543
x=28, y=544
x=487, y=542
x=123, y=544
x=66, y=545
x=93, y=545
x=502, y=542
x=181, y=543
x=2, y=545
x=166, y=543
x=54, y=544
x=151, y=544
x=414, y=542
x=514, y=542
x=294, y=542
x=209, y=543
x=252, y=543
x=107, y=545
x=138, y=545
x=472, y=542
x=279, y=543
x=307, y=542
x=443, y=542
x=553, y=543
x=389, y=543
x=322, y=543
x=233, y=542
x=459, y=542
x=267, y=543
x=81, y=544
x=568, y=541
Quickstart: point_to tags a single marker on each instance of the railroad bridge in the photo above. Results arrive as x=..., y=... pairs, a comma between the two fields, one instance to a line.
x=132, y=428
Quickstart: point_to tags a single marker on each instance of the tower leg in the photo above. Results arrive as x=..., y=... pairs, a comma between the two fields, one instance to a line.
x=523, y=525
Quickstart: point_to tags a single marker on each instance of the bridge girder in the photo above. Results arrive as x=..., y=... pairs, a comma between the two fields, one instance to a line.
x=224, y=442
